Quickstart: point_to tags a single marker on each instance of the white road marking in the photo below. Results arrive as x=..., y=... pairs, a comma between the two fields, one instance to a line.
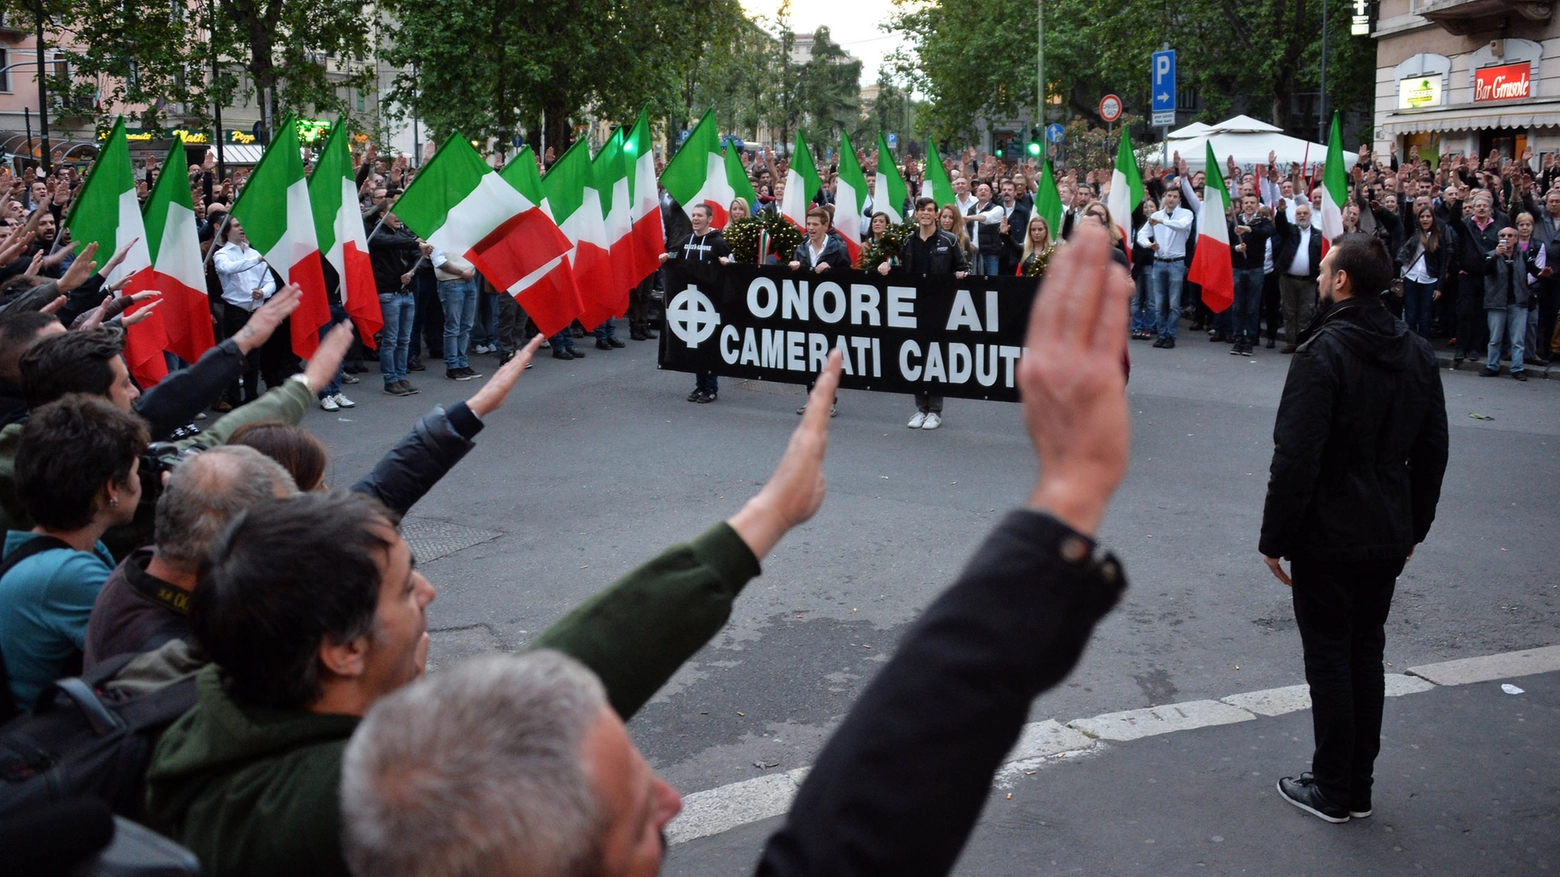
x=730, y=806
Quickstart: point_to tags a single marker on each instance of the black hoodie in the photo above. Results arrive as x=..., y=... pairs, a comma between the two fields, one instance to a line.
x=1360, y=442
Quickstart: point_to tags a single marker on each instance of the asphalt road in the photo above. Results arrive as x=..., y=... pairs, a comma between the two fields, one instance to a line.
x=596, y=465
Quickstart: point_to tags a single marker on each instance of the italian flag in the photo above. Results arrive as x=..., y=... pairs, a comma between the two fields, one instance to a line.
x=107, y=213
x=697, y=173
x=801, y=184
x=891, y=191
x=611, y=182
x=850, y=197
x=1211, y=266
x=178, y=269
x=935, y=183
x=1048, y=203
x=1335, y=187
x=737, y=176
x=549, y=294
x=644, y=210
x=275, y=213
x=576, y=207
x=1126, y=190
x=338, y=226
x=458, y=204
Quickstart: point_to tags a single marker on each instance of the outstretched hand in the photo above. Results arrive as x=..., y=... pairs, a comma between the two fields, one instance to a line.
x=263, y=322
x=492, y=395
x=793, y=494
x=1072, y=382
x=327, y=358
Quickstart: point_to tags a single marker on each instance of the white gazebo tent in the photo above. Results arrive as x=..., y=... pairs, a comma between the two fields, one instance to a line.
x=1245, y=138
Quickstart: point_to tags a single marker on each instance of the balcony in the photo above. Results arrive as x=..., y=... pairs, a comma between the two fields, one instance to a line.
x=1463, y=17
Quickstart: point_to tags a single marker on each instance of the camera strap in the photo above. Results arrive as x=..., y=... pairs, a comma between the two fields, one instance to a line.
x=155, y=589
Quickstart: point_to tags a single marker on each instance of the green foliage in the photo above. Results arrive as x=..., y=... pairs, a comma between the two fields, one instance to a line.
x=976, y=59
x=829, y=92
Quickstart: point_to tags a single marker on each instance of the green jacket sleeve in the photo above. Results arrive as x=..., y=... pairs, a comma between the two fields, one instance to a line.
x=637, y=632
x=287, y=403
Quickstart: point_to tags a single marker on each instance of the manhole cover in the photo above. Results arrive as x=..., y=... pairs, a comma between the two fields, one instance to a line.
x=431, y=540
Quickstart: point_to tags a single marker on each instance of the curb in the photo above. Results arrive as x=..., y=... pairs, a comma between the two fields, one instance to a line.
x=721, y=809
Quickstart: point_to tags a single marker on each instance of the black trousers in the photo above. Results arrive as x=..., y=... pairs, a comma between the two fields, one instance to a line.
x=1272, y=313
x=1341, y=610
x=274, y=359
x=1473, y=331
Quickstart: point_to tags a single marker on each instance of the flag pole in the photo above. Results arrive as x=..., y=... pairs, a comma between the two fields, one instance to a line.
x=221, y=230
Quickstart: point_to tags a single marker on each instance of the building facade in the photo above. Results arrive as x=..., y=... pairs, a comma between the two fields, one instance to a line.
x=1467, y=77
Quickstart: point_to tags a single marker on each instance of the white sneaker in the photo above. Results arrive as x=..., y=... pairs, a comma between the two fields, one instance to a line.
x=917, y=420
x=329, y=404
x=343, y=401
x=932, y=422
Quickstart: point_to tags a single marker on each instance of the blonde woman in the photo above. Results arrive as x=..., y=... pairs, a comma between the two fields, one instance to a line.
x=1037, y=248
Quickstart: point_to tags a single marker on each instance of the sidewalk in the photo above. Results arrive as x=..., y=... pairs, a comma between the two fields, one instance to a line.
x=1468, y=783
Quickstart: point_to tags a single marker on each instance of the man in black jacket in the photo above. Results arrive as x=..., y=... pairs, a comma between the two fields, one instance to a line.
x=900, y=785
x=394, y=252
x=703, y=244
x=1249, y=233
x=1359, y=450
x=1297, y=259
x=929, y=251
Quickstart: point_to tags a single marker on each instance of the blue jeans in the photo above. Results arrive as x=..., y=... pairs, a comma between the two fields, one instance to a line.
x=395, y=343
x=484, y=330
x=607, y=329
x=338, y=314
x=1514, y=319
x=1168, y=277
x=1417, y=300
x=1248, y=303
x=459, y=298
x=1143, y=302
x=987, y=265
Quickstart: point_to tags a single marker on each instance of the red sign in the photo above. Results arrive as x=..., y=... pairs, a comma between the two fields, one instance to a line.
x=1507, y=82
x=1110, y=108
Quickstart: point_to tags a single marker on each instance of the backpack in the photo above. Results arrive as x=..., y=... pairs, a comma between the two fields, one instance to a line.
x=82, y=741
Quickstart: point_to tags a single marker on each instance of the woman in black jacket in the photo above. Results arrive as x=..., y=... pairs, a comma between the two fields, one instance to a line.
x=1428, y=258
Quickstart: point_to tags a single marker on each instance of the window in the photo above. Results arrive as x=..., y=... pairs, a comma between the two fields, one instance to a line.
x=1186, y=99
x=5, y=75
x=362, y=102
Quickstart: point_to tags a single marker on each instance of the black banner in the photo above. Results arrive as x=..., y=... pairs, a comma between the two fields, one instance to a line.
x=899, y=334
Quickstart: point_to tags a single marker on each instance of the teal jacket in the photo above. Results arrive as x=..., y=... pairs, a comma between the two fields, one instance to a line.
x=255, y=791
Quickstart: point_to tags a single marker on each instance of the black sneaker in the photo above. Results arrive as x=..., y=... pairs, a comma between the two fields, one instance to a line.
x=457, y=374
x=1238, y=350
x=615, y=343
x=415, y=365
x=562, y=354
x=706, y=397
x=601, y=344
x=407, y=386
x=694, y=396
x=1520, y=374
x=1169, y=344
x=1159, y=342
x=1489, y=372
x=394, y=389
x=576, y=353
x=470, y=373
x=1305, y=794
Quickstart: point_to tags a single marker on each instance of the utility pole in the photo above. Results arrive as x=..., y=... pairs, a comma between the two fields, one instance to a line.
x=1040, y=63
x=216, y=102
x=1321, y=96
x=43, y=93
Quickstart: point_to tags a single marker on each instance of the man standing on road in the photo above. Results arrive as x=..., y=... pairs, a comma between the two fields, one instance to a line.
x=1359, y=451
x=1165, y=234
x=1297, y=257
x=929, y=251
x=704, y=244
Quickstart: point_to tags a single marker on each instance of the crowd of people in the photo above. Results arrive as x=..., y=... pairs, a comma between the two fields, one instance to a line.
x=186, y=537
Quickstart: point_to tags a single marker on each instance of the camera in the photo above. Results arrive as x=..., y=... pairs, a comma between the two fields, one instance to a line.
x=157, y=461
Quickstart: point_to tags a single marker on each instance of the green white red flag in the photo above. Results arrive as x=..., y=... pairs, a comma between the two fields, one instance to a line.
x=801, y=184
x=1211, y=266
x=935, y=183
x=338, y=227
x=1335, y=187
x=1126, y=189
x=697, y=173
x=737, y=176
x=1048, y=202
x=460, y=205
x=611, y=183
x=850, y=198
x=549, y=294
x=890, y=192
x=576, y=207
x=645, y=201
x=107, y=212
x=178, y=270
x=274, y=211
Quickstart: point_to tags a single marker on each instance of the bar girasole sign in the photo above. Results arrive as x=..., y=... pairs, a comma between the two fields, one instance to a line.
x=1506, y=82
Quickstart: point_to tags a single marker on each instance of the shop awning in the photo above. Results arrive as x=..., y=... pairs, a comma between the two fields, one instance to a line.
x=1538, y=114
x=241, y=154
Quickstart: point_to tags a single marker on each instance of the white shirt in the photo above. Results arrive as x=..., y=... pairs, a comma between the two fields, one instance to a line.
x=1170, y=234
x=1302, y=264
x=992, y=213
x=241, y=270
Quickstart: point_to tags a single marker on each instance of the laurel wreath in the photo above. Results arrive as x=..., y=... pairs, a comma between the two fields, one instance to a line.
x=887, y=247
x=742, y=236
x=1035, y=265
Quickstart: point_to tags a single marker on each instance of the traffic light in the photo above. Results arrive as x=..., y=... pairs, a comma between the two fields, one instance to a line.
x=1036, y=137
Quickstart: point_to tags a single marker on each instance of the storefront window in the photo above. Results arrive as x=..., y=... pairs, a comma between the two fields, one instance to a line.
x=1508, y=141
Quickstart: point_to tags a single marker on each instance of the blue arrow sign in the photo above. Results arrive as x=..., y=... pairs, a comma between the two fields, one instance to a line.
x=1163, y=79
x=1053, y=133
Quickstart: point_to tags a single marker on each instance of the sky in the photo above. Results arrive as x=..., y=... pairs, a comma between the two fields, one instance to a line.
x=852, y=23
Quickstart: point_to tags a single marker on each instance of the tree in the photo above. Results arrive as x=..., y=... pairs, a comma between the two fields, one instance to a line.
x=829, y=91
x=1255, y=55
